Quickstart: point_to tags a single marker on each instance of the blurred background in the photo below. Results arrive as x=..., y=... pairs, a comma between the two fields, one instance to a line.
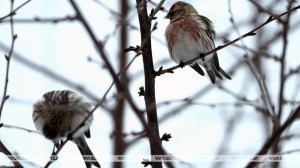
x=53, y=51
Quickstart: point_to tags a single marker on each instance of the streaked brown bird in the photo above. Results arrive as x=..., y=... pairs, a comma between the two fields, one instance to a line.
x=190, y=35
x=58, y=114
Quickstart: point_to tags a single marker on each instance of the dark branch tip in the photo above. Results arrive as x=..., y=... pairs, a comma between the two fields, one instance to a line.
x=141, y=91
x=166, y=137
x=146, y=162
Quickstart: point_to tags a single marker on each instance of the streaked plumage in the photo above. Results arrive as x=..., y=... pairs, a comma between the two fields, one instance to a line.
x=190, y=34
x=59, y=113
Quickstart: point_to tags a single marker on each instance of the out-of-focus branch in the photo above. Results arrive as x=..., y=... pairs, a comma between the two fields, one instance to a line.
x=20, y=128
x=118, y=112
x=276, y=135
x=260, y=8
x=261, y=53
x=44, y=20
x=285, y=31
x=250, y=33
x=261, y=84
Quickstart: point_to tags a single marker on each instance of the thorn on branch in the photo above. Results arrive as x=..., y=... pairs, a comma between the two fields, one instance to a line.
x=1, y=124
x=6, y=57
x=154, y=26
x=146, y=162
x=166, y=137
x=15, y=36
x=6, y=97
x=270, y=18
x=162, y=8
x=188, y=100
x=131, y=48
x=37, y=19
x=89, y=58
x=151, y=13
x=142, y=91
x=159, y=72
x=252, y=34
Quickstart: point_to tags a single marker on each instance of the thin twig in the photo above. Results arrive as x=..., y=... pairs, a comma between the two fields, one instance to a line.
x=44, y=20
x=20, y=128
x=13, y=12
x=8, y=57
x=5, y=96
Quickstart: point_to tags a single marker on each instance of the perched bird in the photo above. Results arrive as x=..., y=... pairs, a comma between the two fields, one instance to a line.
x=58, y=114
x=190, y=35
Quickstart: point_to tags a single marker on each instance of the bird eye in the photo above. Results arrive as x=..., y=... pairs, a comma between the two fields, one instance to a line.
x=171, y=13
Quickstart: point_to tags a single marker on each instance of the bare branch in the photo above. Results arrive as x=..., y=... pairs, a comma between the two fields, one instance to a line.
x=13, y=12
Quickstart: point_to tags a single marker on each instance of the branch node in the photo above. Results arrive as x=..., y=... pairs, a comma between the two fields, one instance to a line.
x=166, y=137
x=270, y=18
x=146, y=162
x=142, y=91
x=131, y=48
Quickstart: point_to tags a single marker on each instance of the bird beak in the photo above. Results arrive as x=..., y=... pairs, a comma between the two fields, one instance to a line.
x=167, y=16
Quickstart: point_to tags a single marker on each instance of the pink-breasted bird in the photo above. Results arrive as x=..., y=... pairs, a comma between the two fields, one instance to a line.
x=190, y=35
x=58, y=114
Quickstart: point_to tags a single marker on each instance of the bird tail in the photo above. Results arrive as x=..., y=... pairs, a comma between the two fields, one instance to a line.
x=221, y=72
x=197, y=68
x=85, y=150
x=213, y=73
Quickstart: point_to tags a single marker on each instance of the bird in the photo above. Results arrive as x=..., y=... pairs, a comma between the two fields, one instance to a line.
x=190, y=35
x=58, y=114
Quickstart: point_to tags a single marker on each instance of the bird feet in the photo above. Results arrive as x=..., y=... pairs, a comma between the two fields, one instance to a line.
x=202, y=55
x=181, y=64
x=70, y=137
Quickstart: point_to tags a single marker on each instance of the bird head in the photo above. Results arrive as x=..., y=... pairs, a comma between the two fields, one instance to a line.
x=180, y=10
